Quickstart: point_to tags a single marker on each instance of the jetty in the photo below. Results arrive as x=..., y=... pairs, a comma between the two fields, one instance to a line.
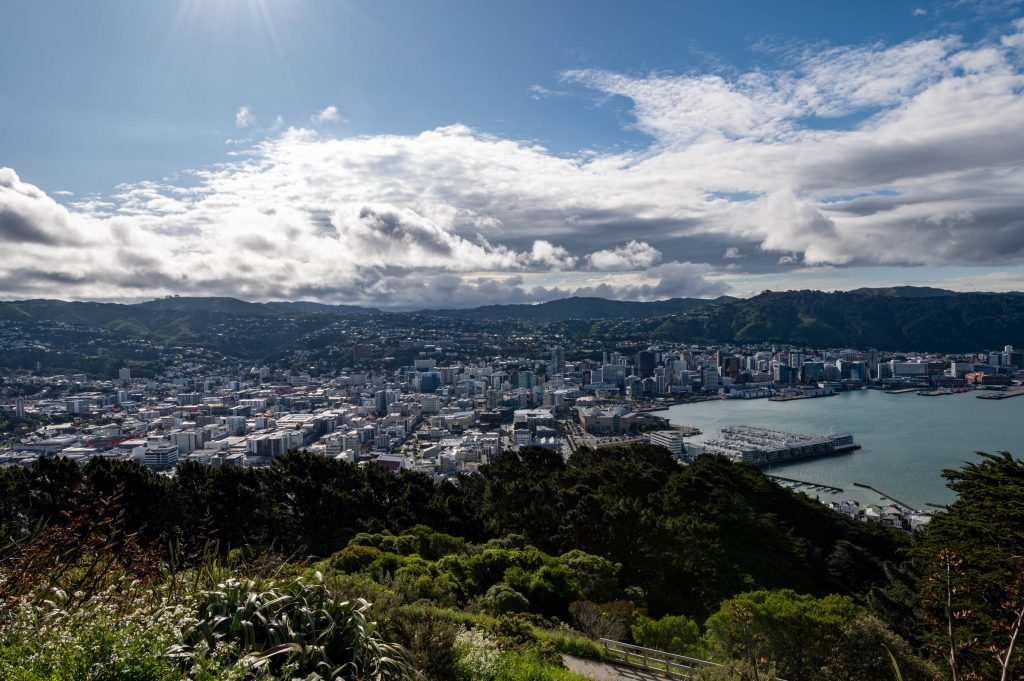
x=1002, y=395
x=817, y=486
x=887, y=496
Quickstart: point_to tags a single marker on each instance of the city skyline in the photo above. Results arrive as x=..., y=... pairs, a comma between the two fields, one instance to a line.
x=451, y=155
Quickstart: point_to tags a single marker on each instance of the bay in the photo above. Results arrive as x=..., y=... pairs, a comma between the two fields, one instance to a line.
x=906, y=440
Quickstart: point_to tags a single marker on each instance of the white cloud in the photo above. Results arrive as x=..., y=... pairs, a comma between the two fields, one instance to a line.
x=540, y=92
x=635, y=255
x=926, y=170
x=328, y=114
x=547, y=254
x=244, y=117
x=919, y=11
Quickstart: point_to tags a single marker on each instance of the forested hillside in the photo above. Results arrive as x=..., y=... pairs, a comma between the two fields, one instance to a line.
x=963, y=322
x=622, y=542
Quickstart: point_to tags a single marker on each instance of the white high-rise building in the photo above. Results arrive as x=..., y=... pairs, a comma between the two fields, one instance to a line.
x=672, y=440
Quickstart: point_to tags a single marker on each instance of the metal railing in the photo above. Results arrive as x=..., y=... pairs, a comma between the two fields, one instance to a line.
x=670, y=664
x=658, y=661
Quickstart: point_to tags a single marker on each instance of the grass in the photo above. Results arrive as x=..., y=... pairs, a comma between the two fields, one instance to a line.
x=532, y=667
x=570, y=643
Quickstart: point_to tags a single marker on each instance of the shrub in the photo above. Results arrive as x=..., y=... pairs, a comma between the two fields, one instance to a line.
x=479, y=655
x=502, y=599
x=672, y=633
x=429, y=638
x=302, y=626
x=602, y=620
x=354, y=558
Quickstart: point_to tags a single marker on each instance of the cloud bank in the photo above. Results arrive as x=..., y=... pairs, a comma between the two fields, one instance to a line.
x=906, y=154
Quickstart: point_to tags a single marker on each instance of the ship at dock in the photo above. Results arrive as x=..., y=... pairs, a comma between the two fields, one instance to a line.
x=764, y=447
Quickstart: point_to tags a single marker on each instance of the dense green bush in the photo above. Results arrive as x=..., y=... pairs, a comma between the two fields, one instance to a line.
x=673, y=633
x=502, y=599
x=355, y=558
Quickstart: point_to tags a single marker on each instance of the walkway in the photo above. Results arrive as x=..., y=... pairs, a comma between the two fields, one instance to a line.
x=603, y=671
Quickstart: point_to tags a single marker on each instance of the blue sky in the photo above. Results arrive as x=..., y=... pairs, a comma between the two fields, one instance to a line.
x=408, y=153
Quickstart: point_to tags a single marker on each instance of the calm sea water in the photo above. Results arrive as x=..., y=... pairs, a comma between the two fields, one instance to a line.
x=907, y=440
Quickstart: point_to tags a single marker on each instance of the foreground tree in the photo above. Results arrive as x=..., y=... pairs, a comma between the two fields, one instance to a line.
x=972, y=564
x=807, y=638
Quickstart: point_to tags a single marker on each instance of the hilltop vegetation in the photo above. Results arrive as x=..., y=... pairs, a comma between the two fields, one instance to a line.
x=481, y=579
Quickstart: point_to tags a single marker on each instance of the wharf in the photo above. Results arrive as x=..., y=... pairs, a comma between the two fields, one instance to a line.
x=1003, y=395
x=901, y=391
x=887, y=496
x=791, y=397
x=934, y=393
x=831, y=489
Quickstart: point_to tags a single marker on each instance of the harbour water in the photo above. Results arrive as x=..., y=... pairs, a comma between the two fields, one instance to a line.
x=906, y=440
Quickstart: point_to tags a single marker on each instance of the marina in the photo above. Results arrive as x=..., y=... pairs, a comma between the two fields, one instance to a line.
x=906, y=442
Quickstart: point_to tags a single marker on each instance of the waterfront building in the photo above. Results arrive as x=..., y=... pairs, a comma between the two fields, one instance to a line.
x=710, y=379
x=812, y=372
x=672, y=440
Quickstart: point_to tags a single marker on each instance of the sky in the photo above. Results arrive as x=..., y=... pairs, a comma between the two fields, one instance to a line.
x=422, y=154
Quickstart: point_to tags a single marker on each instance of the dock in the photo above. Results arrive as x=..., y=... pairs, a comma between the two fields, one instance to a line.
x=813, y=485
x=901, y=391
x=1002, y=395
x=890, y=497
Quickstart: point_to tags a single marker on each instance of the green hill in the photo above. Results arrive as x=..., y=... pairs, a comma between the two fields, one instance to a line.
x=944, y=322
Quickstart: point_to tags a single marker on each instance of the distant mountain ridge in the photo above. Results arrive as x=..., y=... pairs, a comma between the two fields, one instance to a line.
x=90, y=313
x=581, y=308
x=902, y=317
x=905, y=291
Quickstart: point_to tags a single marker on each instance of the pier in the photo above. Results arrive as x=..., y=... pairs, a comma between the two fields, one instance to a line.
x=1002, y=395
x=887, y=496
x=813, y=485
